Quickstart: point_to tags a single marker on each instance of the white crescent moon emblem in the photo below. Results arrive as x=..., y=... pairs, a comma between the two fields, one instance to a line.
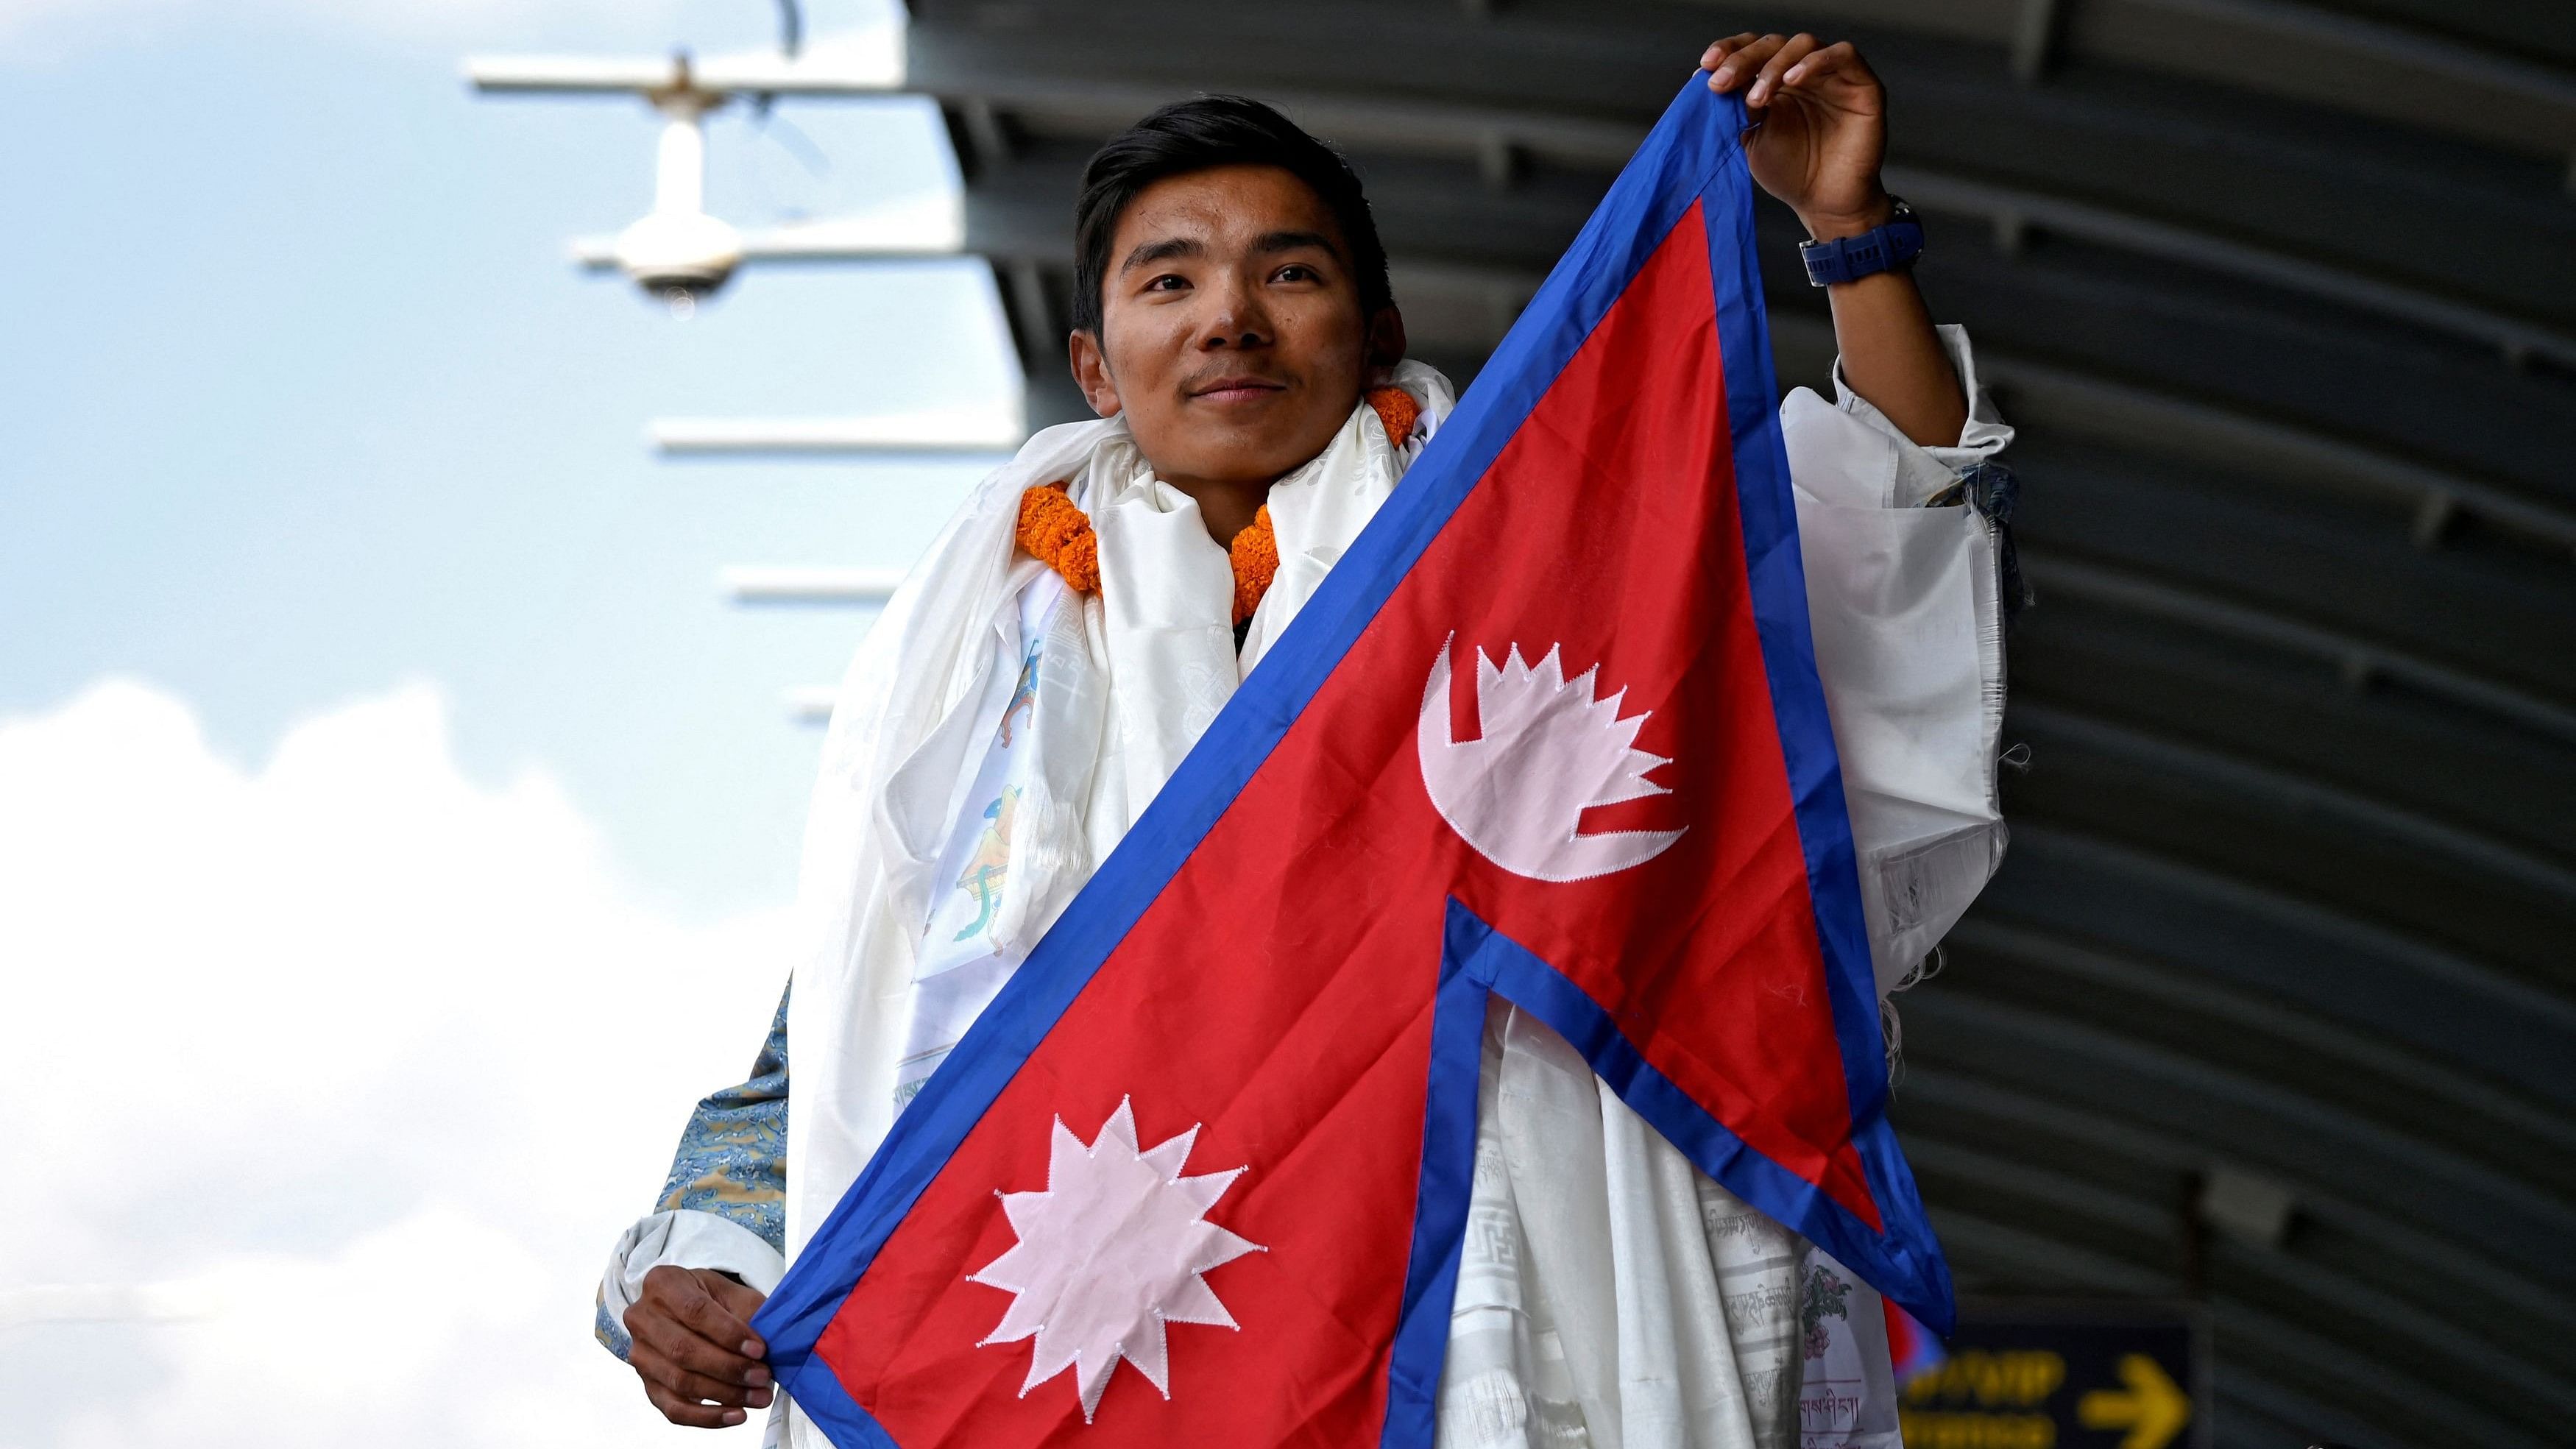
x=1548, y=752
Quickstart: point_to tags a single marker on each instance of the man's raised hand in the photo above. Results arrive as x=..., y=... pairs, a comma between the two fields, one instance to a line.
x=1820, y=121
x=694, y=1348
x=1819, y=133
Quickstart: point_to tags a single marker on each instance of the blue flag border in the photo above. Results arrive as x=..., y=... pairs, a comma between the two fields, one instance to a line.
x=1691, y=157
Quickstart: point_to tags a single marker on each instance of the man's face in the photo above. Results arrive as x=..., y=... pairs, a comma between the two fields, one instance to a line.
x=1232, y=336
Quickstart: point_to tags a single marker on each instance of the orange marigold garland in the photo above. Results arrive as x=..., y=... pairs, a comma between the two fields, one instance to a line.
x=1059, y=535
x=1396, y=408
x=1256, y=562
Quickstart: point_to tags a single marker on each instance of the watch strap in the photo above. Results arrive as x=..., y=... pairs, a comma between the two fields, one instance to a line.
x=1893, y=243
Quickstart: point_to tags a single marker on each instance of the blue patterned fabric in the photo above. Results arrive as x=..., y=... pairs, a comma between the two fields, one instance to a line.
x=732, y=1160
x=610, y=1333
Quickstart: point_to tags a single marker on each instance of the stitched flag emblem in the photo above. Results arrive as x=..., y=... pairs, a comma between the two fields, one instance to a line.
x=1110, y=1251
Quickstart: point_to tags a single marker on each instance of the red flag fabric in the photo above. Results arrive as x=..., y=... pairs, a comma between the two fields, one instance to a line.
x=1551, y=729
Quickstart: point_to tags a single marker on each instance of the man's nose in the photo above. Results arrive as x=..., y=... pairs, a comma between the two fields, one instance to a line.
x=1240, y=320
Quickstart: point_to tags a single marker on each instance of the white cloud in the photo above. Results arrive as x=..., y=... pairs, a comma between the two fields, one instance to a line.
x=345, y=1073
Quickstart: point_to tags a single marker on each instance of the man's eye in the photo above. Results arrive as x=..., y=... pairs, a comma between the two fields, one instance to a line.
x=1297, y=272
x=1167, y=282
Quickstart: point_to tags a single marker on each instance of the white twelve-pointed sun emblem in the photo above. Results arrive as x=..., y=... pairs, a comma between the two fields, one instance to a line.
x=1548, y=750
x=1108, y=1254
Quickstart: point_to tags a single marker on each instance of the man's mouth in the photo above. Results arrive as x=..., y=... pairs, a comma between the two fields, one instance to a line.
x=1237, y=390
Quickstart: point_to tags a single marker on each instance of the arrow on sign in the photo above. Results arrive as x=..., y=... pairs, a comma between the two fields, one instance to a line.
x=2153, y=1409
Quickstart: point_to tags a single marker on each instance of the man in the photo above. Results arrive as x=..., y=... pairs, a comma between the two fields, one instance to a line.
x=1094, y=605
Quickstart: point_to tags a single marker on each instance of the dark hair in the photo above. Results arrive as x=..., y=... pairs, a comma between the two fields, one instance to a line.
x=1196, y=135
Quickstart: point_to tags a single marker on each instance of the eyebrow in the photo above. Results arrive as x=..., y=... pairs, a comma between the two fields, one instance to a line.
x=1181, y=246
x=1289, y=241
x=1162, y=251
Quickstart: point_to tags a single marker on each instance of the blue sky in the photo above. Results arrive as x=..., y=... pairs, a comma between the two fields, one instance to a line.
x=396, y=828
x=305, y=401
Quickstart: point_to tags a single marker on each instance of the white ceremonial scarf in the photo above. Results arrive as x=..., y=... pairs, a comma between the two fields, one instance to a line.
x=1610, y=1295
x=1132, y=679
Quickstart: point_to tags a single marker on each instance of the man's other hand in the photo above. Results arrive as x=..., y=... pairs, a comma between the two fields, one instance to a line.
x=694, y=1348
x=1819, y=131
x=1820, y=122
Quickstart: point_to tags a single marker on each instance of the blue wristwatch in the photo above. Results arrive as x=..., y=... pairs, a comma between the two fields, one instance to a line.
x=1894, y=243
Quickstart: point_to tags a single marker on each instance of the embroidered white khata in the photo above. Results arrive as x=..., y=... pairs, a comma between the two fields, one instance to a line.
x=1108, y=1254
x=1547, y=749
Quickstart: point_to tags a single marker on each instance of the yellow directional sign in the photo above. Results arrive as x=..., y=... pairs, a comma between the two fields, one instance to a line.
x=2086, y=1375
x=2152, y=1407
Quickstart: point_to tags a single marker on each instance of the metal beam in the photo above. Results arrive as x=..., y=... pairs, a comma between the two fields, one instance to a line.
x=2328, y=806
x=2498, y=783
x=1409, y=126
x=1974, y=1237
x=2049, y=400
x=2464, y=1011
x=968, y=433
x=1596, y=57
x=2359, y=659
x=2439, y=1250
x=2308, y=52
x=2064, y=1197
x=2359, y=1300
x=2038, y=31
x=2298, y=1138
x=1469, y=243
x=863, y=63
x=2337, y=59
x=2394, y=1381
x=809, y=585
x=2058, y=399
x=2060, y=1201
x=2185, y=994
x=2288, y=1417
x=2514, y=338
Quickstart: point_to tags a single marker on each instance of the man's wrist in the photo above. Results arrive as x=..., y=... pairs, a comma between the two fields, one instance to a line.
x=1825, y=226
x=1890, y=245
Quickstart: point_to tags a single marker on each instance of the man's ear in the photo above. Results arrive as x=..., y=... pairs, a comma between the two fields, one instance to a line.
x=1385, y=344
x=1091, y=373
